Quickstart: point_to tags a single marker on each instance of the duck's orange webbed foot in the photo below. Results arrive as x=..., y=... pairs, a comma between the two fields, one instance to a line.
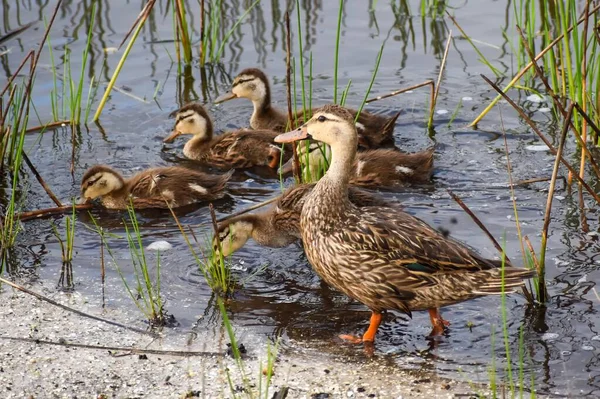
x=369, y=336
x=438, y=323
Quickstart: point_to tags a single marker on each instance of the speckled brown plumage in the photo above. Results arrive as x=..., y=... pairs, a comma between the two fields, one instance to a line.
x=236, y=149
x=280, y=225
x=152, y=188
x=380, y=256
x=374, y=130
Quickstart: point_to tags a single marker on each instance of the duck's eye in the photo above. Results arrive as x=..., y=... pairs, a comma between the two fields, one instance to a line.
x=90, y=183
x=321, y=118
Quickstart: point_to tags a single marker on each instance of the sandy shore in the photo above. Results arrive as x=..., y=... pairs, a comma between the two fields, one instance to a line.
x=31, y=369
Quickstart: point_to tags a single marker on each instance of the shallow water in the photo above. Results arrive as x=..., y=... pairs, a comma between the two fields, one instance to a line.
x=286, y=298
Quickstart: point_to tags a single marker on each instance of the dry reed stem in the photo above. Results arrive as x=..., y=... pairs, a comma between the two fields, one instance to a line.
x=522, y=72
x=41, y=180
x=202, y=38
x=133, y=351
x=14, y=75
x=542, y=271
x=400, y=91
x=584, y=84
x=439, y=79
x=478, y=223
x=213, y=218
x=542, y=137
x=559, y=104
x=187, y=48
x=77, y=312
x=42, y=213
x=48, y=126
x=288, y=83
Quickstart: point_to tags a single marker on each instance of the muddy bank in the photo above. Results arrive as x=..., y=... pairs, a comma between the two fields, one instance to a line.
x=41, y=370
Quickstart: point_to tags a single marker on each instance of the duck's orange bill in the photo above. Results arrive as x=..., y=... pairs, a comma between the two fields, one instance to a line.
x=225, y=97
x=174, y=134
x=299, y=134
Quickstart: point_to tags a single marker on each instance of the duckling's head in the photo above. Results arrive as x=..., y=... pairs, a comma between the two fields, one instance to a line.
x=232, y=235
x=252, y=84
x=100, y=180
x=192, y=119
x=331, y=124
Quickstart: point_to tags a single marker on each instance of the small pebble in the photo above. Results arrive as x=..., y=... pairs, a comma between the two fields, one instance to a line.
x=467, y=98
x=441, y=111
x=159, y=246
x=587, y=348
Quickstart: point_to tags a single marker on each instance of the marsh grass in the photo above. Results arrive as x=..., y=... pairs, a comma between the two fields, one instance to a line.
x=145, y=292
x=258, y=389
x=66, y=244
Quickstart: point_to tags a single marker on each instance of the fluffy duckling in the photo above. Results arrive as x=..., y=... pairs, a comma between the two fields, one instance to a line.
x=279, y=226
x=376, y=168
x=151, y=188
x=374, y=131
x=381, y=256
x=237, y=149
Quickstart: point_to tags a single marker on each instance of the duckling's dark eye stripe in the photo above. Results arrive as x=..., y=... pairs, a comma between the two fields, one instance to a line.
x=239, y=82
x=90, y=182
x=183, y=117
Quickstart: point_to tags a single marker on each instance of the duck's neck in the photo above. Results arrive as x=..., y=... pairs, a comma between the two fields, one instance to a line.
x=198, y=143
x=333, y=187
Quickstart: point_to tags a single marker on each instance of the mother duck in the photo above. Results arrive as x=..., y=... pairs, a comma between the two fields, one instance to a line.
x=380, y=256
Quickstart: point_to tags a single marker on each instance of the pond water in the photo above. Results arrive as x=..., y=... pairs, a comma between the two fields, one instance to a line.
x=561, y=345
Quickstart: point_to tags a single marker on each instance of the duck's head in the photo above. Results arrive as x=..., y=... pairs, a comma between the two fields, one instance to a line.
x=331, y=124
x=252, y=84
x=100, y=180
x=232, y=235
x=192, y=119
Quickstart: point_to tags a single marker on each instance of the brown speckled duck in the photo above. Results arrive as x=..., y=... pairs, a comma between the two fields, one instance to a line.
x=151, y=188
x=374, y=131
x=376, y=168
x=380, y=256
x=237, y=149
x=280, y=225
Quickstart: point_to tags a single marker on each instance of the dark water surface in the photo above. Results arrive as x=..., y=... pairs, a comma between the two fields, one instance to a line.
x=286, y=298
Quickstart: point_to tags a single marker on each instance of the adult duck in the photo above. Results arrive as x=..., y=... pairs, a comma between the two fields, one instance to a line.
x=380, y=256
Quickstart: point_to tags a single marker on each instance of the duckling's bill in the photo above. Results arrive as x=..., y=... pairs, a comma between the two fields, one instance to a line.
x=174, y=134
x=225, y=97
x=299, y=134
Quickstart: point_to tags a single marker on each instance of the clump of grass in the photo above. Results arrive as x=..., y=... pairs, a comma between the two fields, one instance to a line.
x=146, y=291
x=66, y=244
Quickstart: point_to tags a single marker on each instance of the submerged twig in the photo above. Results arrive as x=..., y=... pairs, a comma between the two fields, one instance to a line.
x=78, y=312
x=42, y=213
x=543, y=138
x=478, y=223
x=48, y=126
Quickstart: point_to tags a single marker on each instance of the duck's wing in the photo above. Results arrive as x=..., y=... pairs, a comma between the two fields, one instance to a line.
x=407, y=242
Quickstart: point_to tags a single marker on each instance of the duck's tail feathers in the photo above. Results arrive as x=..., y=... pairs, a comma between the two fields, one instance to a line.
x=512, y=280
x=390, y=124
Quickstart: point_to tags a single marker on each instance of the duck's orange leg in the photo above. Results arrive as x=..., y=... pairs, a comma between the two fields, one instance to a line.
x=438, y=323
x=369, y=336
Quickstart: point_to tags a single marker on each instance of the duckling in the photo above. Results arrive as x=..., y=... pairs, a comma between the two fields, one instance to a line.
x=374, y=130
x=237, y=149
x=381, y=256
x=279, y=226
x=151, y=188
x=376, y=168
